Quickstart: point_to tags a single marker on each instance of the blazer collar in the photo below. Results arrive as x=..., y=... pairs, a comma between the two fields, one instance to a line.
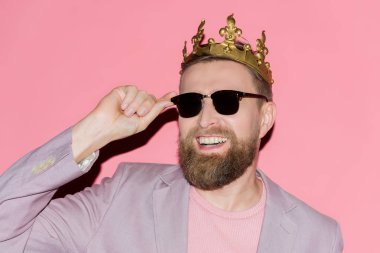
x=278, y=232
x=170, y=207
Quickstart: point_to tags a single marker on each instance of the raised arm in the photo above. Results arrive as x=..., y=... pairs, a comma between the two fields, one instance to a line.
x=121, y=113
x=27, y=187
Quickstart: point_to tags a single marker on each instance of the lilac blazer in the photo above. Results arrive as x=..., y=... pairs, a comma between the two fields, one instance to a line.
x=142, y=208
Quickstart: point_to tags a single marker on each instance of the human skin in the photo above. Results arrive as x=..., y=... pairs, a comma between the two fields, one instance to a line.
x=250, y=120
x=126, y=111
x=123, y=112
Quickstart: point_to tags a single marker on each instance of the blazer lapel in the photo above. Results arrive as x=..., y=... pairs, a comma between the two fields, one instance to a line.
x=170, y=207
x=278, y=233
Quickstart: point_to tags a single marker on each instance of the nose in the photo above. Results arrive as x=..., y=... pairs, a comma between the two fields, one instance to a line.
x=208, y=116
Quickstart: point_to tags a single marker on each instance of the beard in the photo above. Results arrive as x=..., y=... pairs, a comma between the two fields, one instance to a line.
x=213, y=171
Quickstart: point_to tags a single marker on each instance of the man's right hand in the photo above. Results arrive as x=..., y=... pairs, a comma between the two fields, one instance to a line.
x=121, y=113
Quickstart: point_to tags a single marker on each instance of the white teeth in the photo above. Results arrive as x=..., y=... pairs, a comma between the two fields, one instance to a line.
x=211, y=140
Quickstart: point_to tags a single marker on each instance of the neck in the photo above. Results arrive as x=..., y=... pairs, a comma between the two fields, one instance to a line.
x=239, y=195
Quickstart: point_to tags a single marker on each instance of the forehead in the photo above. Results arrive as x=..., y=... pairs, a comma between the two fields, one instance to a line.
x=206, y=77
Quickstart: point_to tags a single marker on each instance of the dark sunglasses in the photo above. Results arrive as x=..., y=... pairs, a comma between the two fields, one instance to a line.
x=226, y=102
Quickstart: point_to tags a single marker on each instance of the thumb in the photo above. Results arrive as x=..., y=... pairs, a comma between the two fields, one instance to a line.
x=161, y=104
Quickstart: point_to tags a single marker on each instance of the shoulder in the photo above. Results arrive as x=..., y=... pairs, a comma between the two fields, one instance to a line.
x=147, y=173
x=311, y=225
x=292, y=205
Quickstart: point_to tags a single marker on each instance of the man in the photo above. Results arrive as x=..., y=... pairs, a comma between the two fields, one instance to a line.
x=215, y=201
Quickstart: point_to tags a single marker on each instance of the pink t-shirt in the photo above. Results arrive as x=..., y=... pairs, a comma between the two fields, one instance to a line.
x=214, y=230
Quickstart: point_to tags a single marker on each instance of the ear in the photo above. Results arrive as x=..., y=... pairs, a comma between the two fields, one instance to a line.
x=268, y=115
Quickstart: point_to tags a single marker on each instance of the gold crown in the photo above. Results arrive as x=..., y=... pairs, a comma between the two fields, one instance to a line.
x=231, y=48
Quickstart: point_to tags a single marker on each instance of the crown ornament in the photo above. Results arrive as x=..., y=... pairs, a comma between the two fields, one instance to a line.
x=231, y=48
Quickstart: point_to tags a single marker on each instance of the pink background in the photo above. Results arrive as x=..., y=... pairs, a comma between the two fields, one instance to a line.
x=58, y=58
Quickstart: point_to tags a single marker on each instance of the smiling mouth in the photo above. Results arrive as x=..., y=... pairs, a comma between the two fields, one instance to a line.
x=211, y=140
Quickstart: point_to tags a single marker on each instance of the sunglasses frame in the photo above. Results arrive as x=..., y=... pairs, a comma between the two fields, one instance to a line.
x=239, y=94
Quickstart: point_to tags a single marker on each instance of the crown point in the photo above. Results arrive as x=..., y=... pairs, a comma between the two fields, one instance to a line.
x=197, y=39
x=184, y=50
x=230, y=19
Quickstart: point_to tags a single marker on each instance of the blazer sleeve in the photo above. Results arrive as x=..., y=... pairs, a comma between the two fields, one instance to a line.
x=338, y=242
x=27, y=187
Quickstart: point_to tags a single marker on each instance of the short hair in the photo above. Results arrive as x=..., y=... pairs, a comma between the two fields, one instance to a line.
x=262, y=86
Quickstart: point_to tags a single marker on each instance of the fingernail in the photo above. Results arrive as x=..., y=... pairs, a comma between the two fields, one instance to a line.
x=142, y=112
x=124, y=105
x=130, y=111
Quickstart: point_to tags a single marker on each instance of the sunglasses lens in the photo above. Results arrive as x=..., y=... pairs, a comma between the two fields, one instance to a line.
x=188, y=104
x=226, y=102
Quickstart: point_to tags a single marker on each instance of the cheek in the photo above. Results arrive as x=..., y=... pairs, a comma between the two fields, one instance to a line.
x=185, y=125
x=241, y=127
x=245, y=124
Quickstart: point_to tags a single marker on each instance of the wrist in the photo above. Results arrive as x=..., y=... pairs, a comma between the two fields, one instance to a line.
x=87, y=137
